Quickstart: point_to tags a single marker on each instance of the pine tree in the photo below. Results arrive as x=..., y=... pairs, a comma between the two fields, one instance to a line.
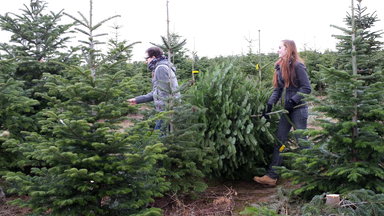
x=81, y=163
x=349, y=148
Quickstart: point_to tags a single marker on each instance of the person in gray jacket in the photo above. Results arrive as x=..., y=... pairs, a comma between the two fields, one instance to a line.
x=290, y=77
x=164, y=82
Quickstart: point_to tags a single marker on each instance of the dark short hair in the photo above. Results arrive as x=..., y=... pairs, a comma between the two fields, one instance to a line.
x=154, y=51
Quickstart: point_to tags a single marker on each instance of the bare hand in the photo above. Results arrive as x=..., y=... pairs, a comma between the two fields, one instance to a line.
x=132, y=101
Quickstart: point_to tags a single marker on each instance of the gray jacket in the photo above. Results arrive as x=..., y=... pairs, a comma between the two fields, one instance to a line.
x=164, y=86
x=302, y=85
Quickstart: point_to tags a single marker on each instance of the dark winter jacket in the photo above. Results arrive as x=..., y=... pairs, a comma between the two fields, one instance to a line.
x=301, y=82
x=164, y=84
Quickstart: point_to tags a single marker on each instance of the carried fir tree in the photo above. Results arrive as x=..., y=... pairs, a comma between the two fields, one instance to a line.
x=227, y=100
x=348, y=151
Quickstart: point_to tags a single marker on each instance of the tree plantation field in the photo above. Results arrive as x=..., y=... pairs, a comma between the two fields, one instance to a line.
x=72, y=144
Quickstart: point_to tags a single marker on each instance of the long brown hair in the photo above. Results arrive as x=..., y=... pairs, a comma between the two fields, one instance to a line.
x=287, y=64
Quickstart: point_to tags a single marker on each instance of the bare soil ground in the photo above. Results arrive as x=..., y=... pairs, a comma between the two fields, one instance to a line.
x=229, y=198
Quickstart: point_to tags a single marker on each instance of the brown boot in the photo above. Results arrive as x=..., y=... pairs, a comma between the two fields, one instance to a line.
x=265, y=180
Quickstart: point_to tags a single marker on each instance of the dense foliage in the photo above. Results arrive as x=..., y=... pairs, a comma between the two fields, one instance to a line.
x=229, y=99
x=81, y=163
x=15, y=107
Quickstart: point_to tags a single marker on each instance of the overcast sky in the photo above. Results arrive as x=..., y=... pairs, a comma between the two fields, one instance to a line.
x=216, y=27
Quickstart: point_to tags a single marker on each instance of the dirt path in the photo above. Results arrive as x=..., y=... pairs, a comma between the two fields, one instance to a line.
x=227, y=198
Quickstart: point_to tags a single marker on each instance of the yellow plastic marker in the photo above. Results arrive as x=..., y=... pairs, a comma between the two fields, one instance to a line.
x=195, y=71
x=282, y=148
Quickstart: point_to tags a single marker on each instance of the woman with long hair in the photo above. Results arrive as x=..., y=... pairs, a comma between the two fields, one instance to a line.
x=290, y=81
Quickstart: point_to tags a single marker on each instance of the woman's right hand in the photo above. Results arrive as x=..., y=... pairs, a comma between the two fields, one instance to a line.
x=268, y=109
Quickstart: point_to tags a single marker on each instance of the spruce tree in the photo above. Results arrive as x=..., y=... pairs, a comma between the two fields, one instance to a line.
x=349, y=148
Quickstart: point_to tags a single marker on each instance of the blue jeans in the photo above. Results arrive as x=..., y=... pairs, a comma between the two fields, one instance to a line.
x=299, y=118
x=158, y=124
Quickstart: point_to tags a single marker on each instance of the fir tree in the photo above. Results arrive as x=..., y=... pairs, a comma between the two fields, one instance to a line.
x=90, y=52
x=228, y=99
x=120, y=52
x=367, y=41
x=14, y=107
x=312, y=60
x=35, y=35
x=172, y=46
x=82, y=164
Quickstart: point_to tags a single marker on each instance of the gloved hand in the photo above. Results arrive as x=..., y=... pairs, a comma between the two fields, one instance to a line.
x=268, y=109
x=289, y=105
